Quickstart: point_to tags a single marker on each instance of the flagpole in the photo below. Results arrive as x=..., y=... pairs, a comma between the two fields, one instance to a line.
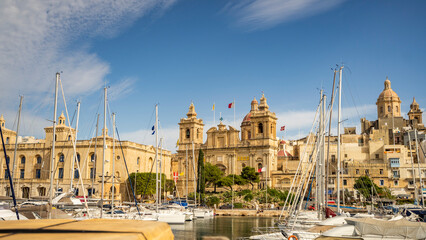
x=234, y=115
x=214, y=114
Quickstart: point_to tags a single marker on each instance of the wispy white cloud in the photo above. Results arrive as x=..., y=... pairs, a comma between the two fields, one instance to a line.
x=121, y=88
x=39, y=38
x=261, y=14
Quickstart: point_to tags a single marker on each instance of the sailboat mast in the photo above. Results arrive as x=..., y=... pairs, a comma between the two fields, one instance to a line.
x=16, y=138
x=113, y=165
x=420, y=172
x=75, y=140
x=52, y=162
x=323, y=191
x=329, y=136
x=339, y=112
x=156, y=158
x=95, y=156
x=103, y=153
x=161, y=167
x=187, y=173
x=416, y=197
x=195, y=176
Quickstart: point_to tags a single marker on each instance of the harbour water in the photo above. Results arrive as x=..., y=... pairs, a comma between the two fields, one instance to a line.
x=232, y=227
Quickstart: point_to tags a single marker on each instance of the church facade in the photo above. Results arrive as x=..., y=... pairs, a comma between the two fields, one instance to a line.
x=255, y=145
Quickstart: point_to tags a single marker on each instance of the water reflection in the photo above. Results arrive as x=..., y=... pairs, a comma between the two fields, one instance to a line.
x=231, y=227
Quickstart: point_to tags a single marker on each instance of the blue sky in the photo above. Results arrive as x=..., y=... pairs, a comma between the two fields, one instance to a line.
x=172, y=52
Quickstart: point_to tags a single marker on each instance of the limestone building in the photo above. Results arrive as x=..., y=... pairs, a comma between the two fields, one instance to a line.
x=33, y=158
x=382, y=151
x=224, y=147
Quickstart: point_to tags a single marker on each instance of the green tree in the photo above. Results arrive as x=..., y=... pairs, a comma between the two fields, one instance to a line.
x=365, y=186
x=201, y=181
x=250, y=175
x=231, y=180
x=144, y=184
x=170, y=185
x=212, y=175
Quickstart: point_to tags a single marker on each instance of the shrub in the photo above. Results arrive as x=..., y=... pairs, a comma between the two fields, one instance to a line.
x=238, y=205
x=211, y=201
x=244, y=192
x=248, y=197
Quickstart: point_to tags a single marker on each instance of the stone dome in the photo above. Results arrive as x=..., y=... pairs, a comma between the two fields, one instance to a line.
x=388, y=93
x=247, y=118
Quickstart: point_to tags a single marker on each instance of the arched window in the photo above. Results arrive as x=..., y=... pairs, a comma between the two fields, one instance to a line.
x=76, y=173
x=260, y=128
x=248, y=135
x=118, y=158
x=243, y=165
x=78, y=157
x=23, y=160
x=39, y=159
x=92, y=157
x=7, y=140
x=381, y=109
x=138, y=160
x=56, y=137
x=188, y=133
x=61, y=158
x=69, y=137
x=389, y=108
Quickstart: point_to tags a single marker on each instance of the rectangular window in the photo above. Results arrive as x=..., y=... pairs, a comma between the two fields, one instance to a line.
x=61, y=173
x=411, y=182
x=395, y=174
x=377, y=156
x=345, y=182
x=394, y=162
x=357, y=171
x=76, y=173
x=346, y=155
x=22, y=175
x=38, y=173
x=92, y=173
x=333, y=158
x=367, y=171
x=381, y=171
x=382, y=182
x=395, y=182
x=6, y=176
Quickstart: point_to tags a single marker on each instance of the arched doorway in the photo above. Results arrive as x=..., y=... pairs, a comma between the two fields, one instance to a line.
x=25, y=192
x=41, y=191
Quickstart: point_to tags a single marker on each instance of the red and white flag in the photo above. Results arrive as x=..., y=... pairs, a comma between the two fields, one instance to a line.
x=175, y=176
x=231, y=105
x=282, y=128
